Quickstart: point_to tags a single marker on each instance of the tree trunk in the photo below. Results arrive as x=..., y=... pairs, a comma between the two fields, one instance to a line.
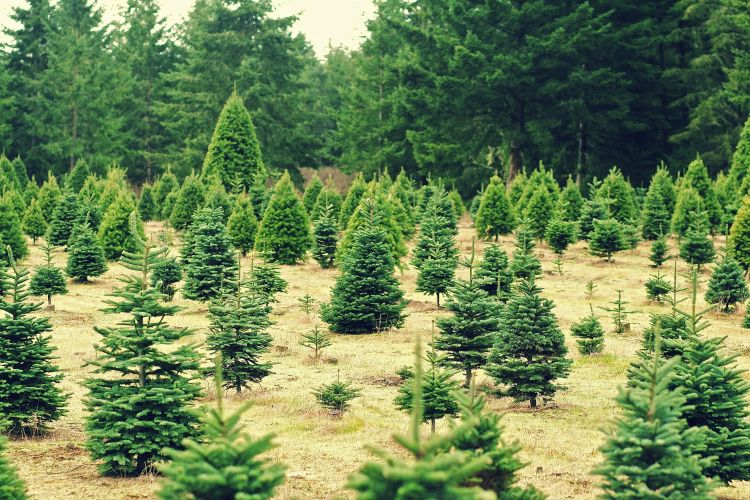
x=467, y=383
x=516, y=163
x=238, y=385
x=438, y=300
x=432, y=425
x=532, y=400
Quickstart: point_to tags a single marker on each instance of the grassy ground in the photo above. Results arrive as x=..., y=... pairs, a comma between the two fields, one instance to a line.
x=559, y=441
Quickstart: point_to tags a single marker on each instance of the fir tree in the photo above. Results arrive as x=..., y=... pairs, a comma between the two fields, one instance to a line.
x=89, y=213
x=114, y=232
x=29, y=396
x=351, y=201
x=284, y=232
x=242, y=224
x=266, y=282
x=696, y=177
x=312, y=191
x=75, y=179
x=10, y=230
x=436, y=230
x=539, y=211
x=146, y=206
x=31, y=192
x=48, y=279
x=8, y=179
x=259, y=194
x=529, y=351
x=328, y=196
x=493, y=274
x=659, y=249
x=226, y=463
x=325, y=237
x=189, y=199
x=366, y=296
x=34, y=224
x=688, y=201
x=571, y=201
x=560, y=235
x=234, y=151
x=210, y=266
x=697, y=247
x=438, y=267
x=458, y=203
x=738, y=242
x=495, y=216
x=164, y=274
x=727, y=285
x=85, y=255
x=589, y=333
x=49, y=195
x=11, y=486
x=656, y=215
x=620, y=312
x=607, y=238
x=22, y=173
x=217, y=197
x=316, y=340
x=525, y=265
x=63, y=219
x=134, y=416
x=619, y=196
x=335, y=396
x=166, y=184
x=593, y=210
x=657, y=288
x=650, y=453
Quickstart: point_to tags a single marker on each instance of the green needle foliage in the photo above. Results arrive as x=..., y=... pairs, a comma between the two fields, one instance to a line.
x=327, y=196
x=77, y=177
x=650, y=452
x=166, y=184
x=10, y=230
x=738, y=242
x=49, y=195
x=266, y=282
x=34, y=224
x=115, y=231
x=493, y=274
x=656, y=215
x=659, y=251
x=85, y=255
x=312, y=191
x=589, y=333
x=325, y=237
x=30, y=398
x=11, y=486
x=594, y=209
x=190, y=198
x=48, y=279
x=242, y=224
x=539, y=211
x=560, y=235
x=284, y=232
x=525, y=264
x=571, y=201
x=697, y=248
x=316, y=340
x=335, y=397
x=688, y=201
x=64, y=218
x=146, y=206
x=351, y=201
x=607, y=238
x=727, y=285
x=226, y=463
x=164, y=274
x=619, y=313
x=143, y=385
x=658, y=288
x=437, y=268
x=495, y=215
x=529, y=351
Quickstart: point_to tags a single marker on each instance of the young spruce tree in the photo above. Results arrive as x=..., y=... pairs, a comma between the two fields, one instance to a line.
x=727, y=285
x=34, y=224
x=589, y=333
x=85, y=255
x=284, y=232
x=11, y=486
x=242, y=224
x=697, y=248
x=63, y=219
x=493, y=274
x=48, y=279
x=495, y=216
x=325, y=237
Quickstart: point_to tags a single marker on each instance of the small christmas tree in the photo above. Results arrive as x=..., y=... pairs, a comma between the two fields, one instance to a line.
x=148, y=401
x=657, y=288
x=438, y=267
x=75, y=179
x=656, y=215
x=226, y=463
x=366, y=296
x=351, y=202
x=217, y=197
x=316, y=340
x=48, y=196
x=34, y=224
x=115, y=232
x=620, y=313
x=335, y=396
x=259, y=194
x=571, y=202
x=650, y=453
x=688, y=200
x=210, y=266
x=11, y=486
x=242, y=224
x=313, y=189
x=48, y=279
x=88, y=213
x=63, y=219
x=727, y=285
x=166, y=184
x=284, y=232
x=539, y=211
x=607, y=238
x=738, y=242
x=493, y=274
x=525, y=264
x=697, y=247
x=85, y=255
x=659, y=251
x=594, y=209
x=22, y=173
x=266, y=282
x=328, y=196
x=190, y=198
x=164, y=274
x=325, y=237
x=10, y=230
x=589, y=333
x=529, y=351
x=619, y=195
x=559, y=236
x=495, y=215
x=146, y=206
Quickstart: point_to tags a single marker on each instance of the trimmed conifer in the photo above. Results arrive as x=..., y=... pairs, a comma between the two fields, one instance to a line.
x=697, y=248
x=22, y=173
x=34, y=224
x=529, y=351
x=114, y=231
x=351, y=201
x=164, y=274
x=366, y=296
x=659, y=250
x=10, y=231
x=49, y=195
x=539, y=211
x=495, y=215
x=145, y=403
x=594, y=209
x=335, y=396
x=8, y=179
x=619, y=196
x=210, y=266
x=437, y=267
x=525, y=265
x=688, y=201
x=30, y=398
x=571, y=201
x=85, y=255
x=560, y=235
x=727, y=285
x=696, y=177
x=48, y=279
x=166, y=184
x=189, y=199
x=284, y=232
x=738, y=242
x=458, y=203
x=493, y=274
x=607, y=238
x=242, y=224
x=312, y=191
x=233, y=154
x=620, y=313
x=327, y=196
x=146, y=206
x=325, y=237
x=217, y=197
x=75, y=179
x=266, y=282
x=589, y=333
x=657, y=288
x=656, y=215
x=31, y=192
x=64, y=218
x=316, y=340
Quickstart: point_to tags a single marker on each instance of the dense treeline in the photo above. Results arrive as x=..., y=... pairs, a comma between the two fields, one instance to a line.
x=440, y=87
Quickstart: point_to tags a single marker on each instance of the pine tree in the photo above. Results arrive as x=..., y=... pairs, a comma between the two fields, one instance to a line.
x=620, y=312
x=34, y=224
x=149, y=400
x=75, y=179
x=22, y=173
x=16, y=199
x=63, y=219
x=284, y=232
x=11, y=486
x=226, y=463
x=560, y=235
x=727, y=285
x=495, y=215
x=328, y=196
x=594, y=209
x=438, y=267
x=607, y=238
x=146, y=206
x=114, y=231
x=164, y=274
x=529, y=351
x=525, y=265
x=10, y=230
x=458, y=203
x=656, y=216
x=434, y=229
x=619, y=196
x=29, y=396
x=493, y=274
x=571, y=201
x=650, y=453
x=49, y=195
x=335, y=396
x=351, y=201
x=234, y=151
x=8, y=179
x=242, y=224
x=210, y=266
x=366, y=296
x=312, y=191
x=697, y=247
x=259, y=194
x=31, y=192
x=48, y=279
x=238, y=334
x=688, y=201
x=166, y=184
x=539, y=211
x=325, y=237
x=189, y=199
x=266, y=282
x=696, y=177
x=657, y=288
x=738, y=242
x=85, y=255
x=589, y=333
x=316, y=340
x=659, y=249
x=89, y=213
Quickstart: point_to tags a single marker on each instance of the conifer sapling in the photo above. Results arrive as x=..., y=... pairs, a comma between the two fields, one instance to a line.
x=48, y=279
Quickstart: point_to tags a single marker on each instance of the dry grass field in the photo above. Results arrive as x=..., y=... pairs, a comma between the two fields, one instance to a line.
x=560, y=441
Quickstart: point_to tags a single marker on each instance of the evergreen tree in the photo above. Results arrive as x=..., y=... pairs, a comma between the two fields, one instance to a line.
x=738, y=242
x=525, y=265
x=11, y=486
x=657, y=288
x=312, y=191
x=148, y=402
x=656, y=215
x=325, y=237
x=335, y=396
x=22, y=173
x=435, y=231
x=266, y=282
x=284, y=232
x=351, y=201
x=16, y=199
x=727, y=285
x=607, y=238
x=114, y=231
x=495, y=215
x=85, y=255
x=688, y=201
x=539, y=211
x=242, y=224
x=696, y=177
x=458, y=203
x=438, y=266
x=328, y=196
x=210, y=266
x=89, y=213
x=63, y=219
x=560, y=235
x=49, y=195
x=620, y=312
x=31, y=192
x=697, y=247
x=529, y=351
x=34, y=224
x=317, y=340
x=190, y=198
x=146, y=206
x=589, y=333
x=48, y=279
x=238, y=334
x=166, y=184
x=76, y=177
x=10, y=230
x=8, y=179
x=650, y=453
x=217, y=197
x=164, y=274
x=493, y=274
x=29, y=396
x=594, y=209
x=366, y=296
x=234, y=151
x=619, y=196
x=571, y=201
x=659, y=249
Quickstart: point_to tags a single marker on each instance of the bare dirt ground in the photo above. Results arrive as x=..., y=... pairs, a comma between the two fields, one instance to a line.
x=560, y=442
